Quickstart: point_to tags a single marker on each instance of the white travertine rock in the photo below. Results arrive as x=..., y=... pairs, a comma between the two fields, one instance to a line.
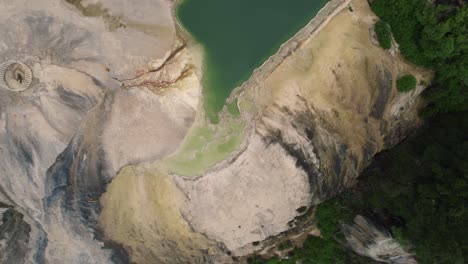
x=253, y=198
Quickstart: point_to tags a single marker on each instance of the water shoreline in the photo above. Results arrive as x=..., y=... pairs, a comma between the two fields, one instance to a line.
x=269, y=63
x=315, y=25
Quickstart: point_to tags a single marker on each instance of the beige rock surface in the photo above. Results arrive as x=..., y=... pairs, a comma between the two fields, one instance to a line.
x=141, y=209
x=251, y=199
x=51, y=133
x=150, y=118
x=318, y=119
x=142, y=212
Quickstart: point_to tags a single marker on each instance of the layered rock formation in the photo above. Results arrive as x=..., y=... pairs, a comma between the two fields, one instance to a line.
x=113, y=93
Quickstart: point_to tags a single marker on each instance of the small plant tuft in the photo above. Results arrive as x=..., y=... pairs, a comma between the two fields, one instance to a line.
x=406, y=83
x=286, y=245
x=384, y=34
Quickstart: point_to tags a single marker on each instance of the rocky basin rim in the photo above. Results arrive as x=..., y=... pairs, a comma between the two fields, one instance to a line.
x=307, y=33
x=320, y=20
x=315, y=25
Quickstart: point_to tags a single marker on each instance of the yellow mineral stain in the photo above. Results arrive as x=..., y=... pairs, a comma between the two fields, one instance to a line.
x=141, y=210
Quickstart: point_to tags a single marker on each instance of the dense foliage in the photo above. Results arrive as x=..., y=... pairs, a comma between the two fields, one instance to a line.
x=406, y=83
x=384, y=34
x=425, y=181
x=315, y=250
x=434, y=36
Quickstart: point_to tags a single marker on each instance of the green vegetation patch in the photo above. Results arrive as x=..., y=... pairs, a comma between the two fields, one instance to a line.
x=206, y=145
x=433, y=34
x=329, y=214
x=315, y=250
x=384, y=34
x=233, y=109
x=406, y=83
x=425, y=182
x=286, y=245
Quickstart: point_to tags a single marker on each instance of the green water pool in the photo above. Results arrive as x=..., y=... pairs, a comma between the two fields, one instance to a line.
x=238, y=36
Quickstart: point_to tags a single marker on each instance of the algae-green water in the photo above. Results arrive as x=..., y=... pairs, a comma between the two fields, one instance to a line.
x=238, y=36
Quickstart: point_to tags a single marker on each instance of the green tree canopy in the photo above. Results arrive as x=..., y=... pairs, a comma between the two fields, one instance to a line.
x=433, y=36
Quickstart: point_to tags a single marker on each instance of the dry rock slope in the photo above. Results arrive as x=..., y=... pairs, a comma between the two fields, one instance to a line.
x=95, y=94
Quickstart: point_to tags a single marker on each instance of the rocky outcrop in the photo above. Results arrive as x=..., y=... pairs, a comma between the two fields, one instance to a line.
x=250, y=199
x=371, y=240
x=14, y=236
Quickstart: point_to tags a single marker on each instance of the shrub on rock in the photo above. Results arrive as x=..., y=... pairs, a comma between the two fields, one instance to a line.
x=384, y=34
x=406, y=83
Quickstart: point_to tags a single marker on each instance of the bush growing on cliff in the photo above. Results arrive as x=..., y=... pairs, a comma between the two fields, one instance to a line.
x=384, y=34
x=433, y=36
x=315, y=250
x=329, y=214
x=406, y=83
x=324, y=249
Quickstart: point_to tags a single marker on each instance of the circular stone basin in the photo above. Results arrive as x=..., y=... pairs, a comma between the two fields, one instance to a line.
x=15, y=76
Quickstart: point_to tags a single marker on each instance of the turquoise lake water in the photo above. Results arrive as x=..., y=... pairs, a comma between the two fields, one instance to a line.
x=238, y=36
